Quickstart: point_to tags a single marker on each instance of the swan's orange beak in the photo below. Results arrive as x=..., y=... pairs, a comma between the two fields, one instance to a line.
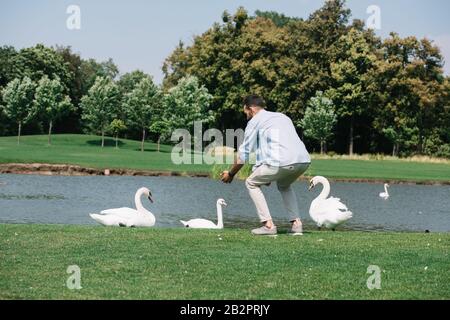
x=150, y=197
x=311, y=185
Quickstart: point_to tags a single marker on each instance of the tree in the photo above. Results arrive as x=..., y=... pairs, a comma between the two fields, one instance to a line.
x=91, y=69
x=140, y=104
x=349, y=75
x=319, y=119
x=130, y=80
x=407, y=91
x=100, y=105
x=7, y=62
x=37, y=61
x=18, y=102
x=160, y=124
x=187, y=102
x=115, y=128
x=50, y=102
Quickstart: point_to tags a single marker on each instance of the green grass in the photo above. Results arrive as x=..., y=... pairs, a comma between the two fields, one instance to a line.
x=84, y=150
x=119, y=263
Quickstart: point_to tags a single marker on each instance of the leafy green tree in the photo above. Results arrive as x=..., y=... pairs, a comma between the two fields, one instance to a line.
x=100, y=105
x=91, y=69
x=187, y=102
x=279, y=19
x=130, y=80
x=18, y=102
x=349, y=74
x=37, y=61
x=50, y=102
x=7, y=65
x=408, y=93
x=140, y=104
x=319, y=120
x=160, y=124
x=116, y=127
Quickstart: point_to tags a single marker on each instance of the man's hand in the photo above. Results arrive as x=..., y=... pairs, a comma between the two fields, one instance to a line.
x=226, y=177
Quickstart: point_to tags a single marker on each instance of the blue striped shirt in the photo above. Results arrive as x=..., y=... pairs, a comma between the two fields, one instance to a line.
x=272, y=136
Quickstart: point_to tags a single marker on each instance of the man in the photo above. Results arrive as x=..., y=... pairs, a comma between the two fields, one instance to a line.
x=281, y=157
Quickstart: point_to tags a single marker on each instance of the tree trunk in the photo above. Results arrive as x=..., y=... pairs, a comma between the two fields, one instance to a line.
x=103, y=138
x=117, y=141
x=350, y=138
x=159, y=143
x=50, y=125
x=18, y=134
x=143, y=138
x=322, y=147
x=395, y=149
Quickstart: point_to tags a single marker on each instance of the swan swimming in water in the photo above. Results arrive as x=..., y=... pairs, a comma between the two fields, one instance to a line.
x=328, y=212
x=207, y=224
x=127, y=217
x=385, y=194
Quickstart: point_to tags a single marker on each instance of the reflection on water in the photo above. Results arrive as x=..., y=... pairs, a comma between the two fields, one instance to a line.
x=68, y=200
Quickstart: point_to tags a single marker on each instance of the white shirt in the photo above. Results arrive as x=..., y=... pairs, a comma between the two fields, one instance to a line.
x=273, y=137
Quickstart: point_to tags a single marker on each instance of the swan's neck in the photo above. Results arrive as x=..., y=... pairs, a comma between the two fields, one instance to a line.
x=385, y=188
x=219, y=216
x=326, y=189
x=137, y=200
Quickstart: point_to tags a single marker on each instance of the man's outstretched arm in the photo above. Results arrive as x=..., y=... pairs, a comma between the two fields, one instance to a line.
x=228, y=175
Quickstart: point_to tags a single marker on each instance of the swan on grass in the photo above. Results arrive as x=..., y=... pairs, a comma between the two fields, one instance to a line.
x=327, y=212
x=385, y=194
x=127, y=217
x=207, y=224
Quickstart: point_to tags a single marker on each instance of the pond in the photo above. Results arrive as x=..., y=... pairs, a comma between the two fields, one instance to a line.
x=69, y=199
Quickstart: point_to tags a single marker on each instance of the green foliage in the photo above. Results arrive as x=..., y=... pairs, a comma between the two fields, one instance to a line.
x=117, y=126
x=140, y=105
x=37, y=61
x=18, y=102
x=50, y=101
x=279, y=19
x=319, y=119
x=187, y=102
x=100, y=105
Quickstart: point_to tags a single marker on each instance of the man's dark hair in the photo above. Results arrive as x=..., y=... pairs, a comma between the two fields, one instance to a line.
x=254, y=100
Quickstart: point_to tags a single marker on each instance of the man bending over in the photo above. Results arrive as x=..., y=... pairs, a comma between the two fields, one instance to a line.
x=280, y=156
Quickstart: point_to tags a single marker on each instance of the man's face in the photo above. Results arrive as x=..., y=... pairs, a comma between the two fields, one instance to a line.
x=248, y=112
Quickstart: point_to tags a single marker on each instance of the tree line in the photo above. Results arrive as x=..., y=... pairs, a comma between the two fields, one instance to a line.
x=54, y=87
x=388, y=95
x=346, y=89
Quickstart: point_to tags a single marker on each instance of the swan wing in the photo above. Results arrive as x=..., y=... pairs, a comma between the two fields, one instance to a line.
x=109, y=220
x=329, y=205
x=121, y=212
x=199, y=224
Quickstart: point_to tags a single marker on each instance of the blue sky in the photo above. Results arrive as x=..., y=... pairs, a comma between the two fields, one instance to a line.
x=140, y=34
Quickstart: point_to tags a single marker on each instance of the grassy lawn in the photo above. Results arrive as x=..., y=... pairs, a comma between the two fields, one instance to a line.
x=162, y=263
x=84, y=150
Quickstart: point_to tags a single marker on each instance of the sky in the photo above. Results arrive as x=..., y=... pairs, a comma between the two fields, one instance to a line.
x=140, y=34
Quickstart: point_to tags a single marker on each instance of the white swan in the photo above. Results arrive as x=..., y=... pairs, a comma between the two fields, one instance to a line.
x=385, y=194
x=127, y=217
x=328, y=212
x=206, y=224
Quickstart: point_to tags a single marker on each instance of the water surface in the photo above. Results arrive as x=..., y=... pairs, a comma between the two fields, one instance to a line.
x=69, y=199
